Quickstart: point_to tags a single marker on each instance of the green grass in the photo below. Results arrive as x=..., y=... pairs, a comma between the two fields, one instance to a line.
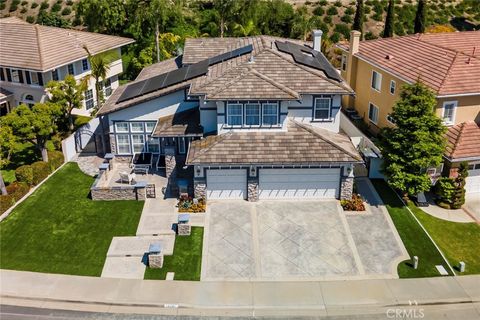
x=59, y=229
x=186, y=260
x=414, y=238
x=458, y=241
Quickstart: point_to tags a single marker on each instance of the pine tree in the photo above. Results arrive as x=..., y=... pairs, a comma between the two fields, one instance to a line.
x=359, y=17
x=420, y=17
x=388, y=31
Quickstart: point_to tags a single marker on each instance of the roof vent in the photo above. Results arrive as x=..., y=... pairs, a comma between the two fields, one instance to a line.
x=251, y=59
x=389, y=57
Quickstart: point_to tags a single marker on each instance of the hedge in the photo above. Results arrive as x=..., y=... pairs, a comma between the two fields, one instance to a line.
x=16, y=191
x=55, y=159
x=24, y=174
x=41, y=170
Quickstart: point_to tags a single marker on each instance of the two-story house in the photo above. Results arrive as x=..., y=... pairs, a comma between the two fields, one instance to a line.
x=32, y=55
x=255, y=118
x=448, y=63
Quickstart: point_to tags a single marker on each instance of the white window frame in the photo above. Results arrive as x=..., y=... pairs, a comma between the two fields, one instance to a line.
x=107, y=87
x=258, y=115
x=55, y=72
x=15, y=75
x=73, y=69
x=182, y=145
x=149, y=143
x=126, y=144
x=277, y=111
x=454, y=111
x=123, y=123
x=137, y=143
x=370, y=105
x=149, y=123
x=141, y=124
x=229, y=105
x=34, y=78
x=379, y=78
x=392, y=82
x=88, y=100
x=388, y=118
x=315, y=107
x=87, y=63
x=343, y=63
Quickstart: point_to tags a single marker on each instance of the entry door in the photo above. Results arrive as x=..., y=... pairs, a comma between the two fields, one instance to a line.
x=226, y=184
x=299, y=183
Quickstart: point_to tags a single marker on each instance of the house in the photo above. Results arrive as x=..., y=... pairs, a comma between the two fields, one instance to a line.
x=255, y=118
x=448, y=63
x=31, y=55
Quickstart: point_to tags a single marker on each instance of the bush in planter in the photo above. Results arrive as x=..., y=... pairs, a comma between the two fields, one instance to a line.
x=41, y=170
x=17, y=190
x=24, y=174
x=6, y=201
x=355, y=204
x=55, y=159
x=187, y=205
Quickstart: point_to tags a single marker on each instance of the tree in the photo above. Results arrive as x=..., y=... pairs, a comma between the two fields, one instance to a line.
x=226, y=10
x=8, y=144
x=460, y=181
x=303, y=23
x=389, y=20
x=35, y=125
x=415, y=143
x=246, y=30
x=420, y=16
x=359, y=17
x=104, y=16
x=3, y=189
x=68, y=94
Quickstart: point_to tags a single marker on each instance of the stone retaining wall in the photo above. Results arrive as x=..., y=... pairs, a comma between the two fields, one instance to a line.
x=346, y=188
x=127, y=192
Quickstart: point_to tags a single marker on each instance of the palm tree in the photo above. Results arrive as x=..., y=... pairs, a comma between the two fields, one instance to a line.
x=249, y=29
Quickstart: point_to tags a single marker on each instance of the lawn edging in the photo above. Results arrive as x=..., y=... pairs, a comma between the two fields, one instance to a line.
x=4, y=215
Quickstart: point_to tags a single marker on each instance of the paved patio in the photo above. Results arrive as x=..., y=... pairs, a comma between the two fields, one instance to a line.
x=292, y=240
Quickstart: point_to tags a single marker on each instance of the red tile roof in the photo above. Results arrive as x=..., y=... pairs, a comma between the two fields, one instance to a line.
x=463, y=141
x=449, y=63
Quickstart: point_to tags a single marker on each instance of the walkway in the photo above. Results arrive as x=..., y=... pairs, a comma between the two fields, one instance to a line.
x=237, y=298
x=88, y=163
x=453, y=215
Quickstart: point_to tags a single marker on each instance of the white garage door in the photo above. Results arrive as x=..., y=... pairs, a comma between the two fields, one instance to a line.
x=299, y=183
x=227, y=184
x=473, y=181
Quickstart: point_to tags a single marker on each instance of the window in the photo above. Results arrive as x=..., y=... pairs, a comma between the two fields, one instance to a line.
x=136, y=126
x=138, y=142
x=85, y=65
x=373, y=113
x=15, y=75
x=108, y=87
x=393, y=86
x=149, y=126
x=234, y=114
x=181, y=145
x=70, y=69
x=252, y=114
x=89, y=104
x=390, y=119
x=376, y=81
x=270, y=114
x=322, y=109
x=449, y=111
x=123, y=144
x=474, y=166
x=121, y=126
x=344, y=62
x=55, y=75
x=34, y=78
x=152, y=144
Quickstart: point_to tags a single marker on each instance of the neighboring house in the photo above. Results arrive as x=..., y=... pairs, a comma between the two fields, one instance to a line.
x=255, y=118
x=32, y=55
x=448, y=63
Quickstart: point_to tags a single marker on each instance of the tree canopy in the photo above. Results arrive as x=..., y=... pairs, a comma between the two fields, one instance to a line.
x=389, y=20
x=420, y=16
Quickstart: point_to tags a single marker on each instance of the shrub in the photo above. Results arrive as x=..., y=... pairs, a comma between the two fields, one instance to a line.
x=370, y=36
x=355, y=204
x=346, y=19
x=338, y=4
x=59, y=1
x=14, y=5
x=17, y=190
x=34, y=5
x=349, y=11
x=24, y=3
x=41, y=170
x=44, y=5
x=56, y=7
x=322, y=3
x=80, y=121
x=327, y=19
x=335, y=37
x=332, y=11
x=24, y=174
x=55, y=159
x=66, y=11
x=2, y=5
x=69, y=2
x=318, y=11
x=23, y=10
x=30, y=19
x=343, y=29
x=6, y=201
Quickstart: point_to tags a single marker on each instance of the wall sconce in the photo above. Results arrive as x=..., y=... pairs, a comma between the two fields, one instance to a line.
x=198, y=171
x=253, y=171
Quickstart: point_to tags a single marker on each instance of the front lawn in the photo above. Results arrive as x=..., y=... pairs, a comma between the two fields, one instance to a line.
x=458, y=241
x=414, y=238
x=59, y=229
x=186, y=260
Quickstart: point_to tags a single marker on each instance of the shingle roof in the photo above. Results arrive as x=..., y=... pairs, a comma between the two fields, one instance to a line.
x=159, y=68
x=186, y=123
x=463, y=141
x=42, y=48
x=301, y=144
x=449, y=63
x=271, y=75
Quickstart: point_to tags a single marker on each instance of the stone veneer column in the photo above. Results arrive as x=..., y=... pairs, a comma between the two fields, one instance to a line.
x=346, y=188
x=113, y=144
x=170, y=161
x=200, y=189
x=252, y=189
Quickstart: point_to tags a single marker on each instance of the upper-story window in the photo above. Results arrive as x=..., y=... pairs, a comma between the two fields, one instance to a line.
x=393, y=87
x=121, y=126
x=234, y=114
x=149, y=126
x=34, y=78
x=55, y=75
x=2, y=76
x=182, y=146
x=85, y=65
x=449, y=111
x=322, y=108
x=270, y=114
x=373, y=113
x=107, y=84
x=89, y=99
x=252, y=114
x=376, y=80
x=16, y=75
x=71, y=69
x=344, y=62
x=136, y=126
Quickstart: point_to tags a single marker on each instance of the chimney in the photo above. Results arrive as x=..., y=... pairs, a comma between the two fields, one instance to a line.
x=317, y=40
x=354, y=41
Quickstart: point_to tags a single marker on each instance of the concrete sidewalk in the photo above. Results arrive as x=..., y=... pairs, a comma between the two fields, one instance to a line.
x=235, y=298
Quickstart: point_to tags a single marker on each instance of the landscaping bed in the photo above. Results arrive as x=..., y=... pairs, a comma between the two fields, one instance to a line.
x=59, y=229
x=186, y=260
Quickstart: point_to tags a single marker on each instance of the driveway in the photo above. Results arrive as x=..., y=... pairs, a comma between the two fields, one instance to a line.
x=472, y=204
x=283, y=240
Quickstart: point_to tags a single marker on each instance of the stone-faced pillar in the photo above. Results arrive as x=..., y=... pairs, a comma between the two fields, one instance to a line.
x=252, y=189
x=346, y=184
x=200, y=189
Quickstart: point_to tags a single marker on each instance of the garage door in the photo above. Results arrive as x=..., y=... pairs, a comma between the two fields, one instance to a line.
x=227, y=184
x=299, y=183
x=473, y=181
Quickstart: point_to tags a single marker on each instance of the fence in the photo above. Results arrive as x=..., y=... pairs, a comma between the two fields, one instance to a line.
x=89, y=138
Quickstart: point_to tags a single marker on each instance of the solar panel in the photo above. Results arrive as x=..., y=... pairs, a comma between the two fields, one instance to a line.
x=309, y=57
x=176, y=76
x=133, y=90
x=197, y=69
x=152, y=84
x=229, y=55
